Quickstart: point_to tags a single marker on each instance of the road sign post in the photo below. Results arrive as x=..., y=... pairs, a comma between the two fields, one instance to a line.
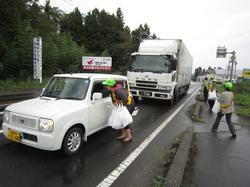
x=221, y=52
x=37, y=59
x=232, y=61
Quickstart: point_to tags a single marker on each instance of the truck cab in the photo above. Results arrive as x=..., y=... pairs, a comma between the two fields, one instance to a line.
x=161, y=69
x=152, y=75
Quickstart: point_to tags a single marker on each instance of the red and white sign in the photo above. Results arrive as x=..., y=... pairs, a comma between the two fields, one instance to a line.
x=97, y=63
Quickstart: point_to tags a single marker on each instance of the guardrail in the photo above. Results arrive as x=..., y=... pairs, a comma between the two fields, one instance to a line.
x=13, y=97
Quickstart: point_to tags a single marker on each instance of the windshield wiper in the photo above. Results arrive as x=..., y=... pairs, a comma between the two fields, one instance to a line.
x=158, y=72
x=49, y=95
x=137, y=69
x=69, y=98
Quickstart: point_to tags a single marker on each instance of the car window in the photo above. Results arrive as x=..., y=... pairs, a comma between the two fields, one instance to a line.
x=100, y=88
x=66, y=88
x=124, y=84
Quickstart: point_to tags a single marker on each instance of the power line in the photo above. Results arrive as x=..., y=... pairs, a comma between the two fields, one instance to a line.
x=69, y=2
x=84, y=6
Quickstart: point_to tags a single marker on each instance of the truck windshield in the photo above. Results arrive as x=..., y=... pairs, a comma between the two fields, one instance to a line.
x=150, y=63
x=66, y=88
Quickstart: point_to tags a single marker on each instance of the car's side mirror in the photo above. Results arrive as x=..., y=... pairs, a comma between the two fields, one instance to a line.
x=96, y=96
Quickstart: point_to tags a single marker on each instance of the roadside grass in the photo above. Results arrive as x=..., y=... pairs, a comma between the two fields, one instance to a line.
x=13, y=85
x=189, y=169
x=10, y=85
x=191, y=114
x=243, y=100
x=167, y=160
x=242, y=97
x=219, y=88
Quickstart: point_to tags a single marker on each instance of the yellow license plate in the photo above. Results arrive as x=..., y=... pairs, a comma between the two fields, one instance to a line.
x=13, y=135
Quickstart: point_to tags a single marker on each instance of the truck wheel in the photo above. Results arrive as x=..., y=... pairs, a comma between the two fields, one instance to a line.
x=177, y=95
x=72, y=141
x=186, y=90
x=174, y=98
x=172, y=101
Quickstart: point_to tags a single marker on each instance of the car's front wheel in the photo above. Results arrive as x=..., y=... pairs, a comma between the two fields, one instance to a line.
x=72, y=141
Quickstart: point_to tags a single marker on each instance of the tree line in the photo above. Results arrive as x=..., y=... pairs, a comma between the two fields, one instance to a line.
x=65, y=38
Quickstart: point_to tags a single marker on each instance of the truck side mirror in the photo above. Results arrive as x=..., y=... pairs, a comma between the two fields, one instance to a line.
x=173, y=64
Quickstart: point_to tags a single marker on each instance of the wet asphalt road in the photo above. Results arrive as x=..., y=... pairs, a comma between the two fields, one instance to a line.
x=21, y=165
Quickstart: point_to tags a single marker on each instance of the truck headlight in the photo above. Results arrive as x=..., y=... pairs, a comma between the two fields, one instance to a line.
x=131, y=84
x=163, y=87
x=6, y=116
x=46, y=125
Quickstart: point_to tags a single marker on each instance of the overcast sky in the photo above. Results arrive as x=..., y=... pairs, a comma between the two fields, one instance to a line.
x=202, y=25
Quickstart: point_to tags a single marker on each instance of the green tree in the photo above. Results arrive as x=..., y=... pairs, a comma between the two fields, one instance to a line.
x=120, y=18
x=73, y=23
x=198, y=72
x=18, y=60
x=105, y=32
x=154, y=36
x=65, y=38
x=141, y=33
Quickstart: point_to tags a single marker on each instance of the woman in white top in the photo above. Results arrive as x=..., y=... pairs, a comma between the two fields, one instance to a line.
x=212, y=94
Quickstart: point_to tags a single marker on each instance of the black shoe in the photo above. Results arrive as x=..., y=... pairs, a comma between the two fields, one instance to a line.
x=234, y=135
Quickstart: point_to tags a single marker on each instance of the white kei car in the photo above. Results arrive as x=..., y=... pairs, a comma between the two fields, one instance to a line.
x=70, y=108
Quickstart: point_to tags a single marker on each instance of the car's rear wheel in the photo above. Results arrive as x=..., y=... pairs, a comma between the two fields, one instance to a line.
x=72, y=141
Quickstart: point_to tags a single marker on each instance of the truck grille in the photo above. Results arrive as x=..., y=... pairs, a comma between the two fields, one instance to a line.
x=23, y=121
x=149, y=89
x=146, y=84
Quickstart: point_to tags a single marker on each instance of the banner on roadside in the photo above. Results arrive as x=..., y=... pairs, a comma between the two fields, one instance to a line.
x=97, y=63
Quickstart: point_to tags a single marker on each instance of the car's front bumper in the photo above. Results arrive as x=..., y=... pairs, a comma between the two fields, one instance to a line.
x=33, y=138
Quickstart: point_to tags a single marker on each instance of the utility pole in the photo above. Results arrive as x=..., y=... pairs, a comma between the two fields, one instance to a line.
x=221, y=52
x=228, y=69
x=235, y=75
x=232, y=64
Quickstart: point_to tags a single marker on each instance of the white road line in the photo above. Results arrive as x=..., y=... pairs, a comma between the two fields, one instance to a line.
x=112, y=177
x=1, y=131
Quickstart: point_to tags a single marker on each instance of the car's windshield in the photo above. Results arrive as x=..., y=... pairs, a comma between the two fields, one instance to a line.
x=151, y=63
x=66, y=88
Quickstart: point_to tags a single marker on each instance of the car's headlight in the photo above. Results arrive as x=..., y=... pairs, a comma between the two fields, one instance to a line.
x=46, y=125
x=6, y=116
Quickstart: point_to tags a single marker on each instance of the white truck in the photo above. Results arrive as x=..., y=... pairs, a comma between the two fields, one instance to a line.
x=161, y=69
